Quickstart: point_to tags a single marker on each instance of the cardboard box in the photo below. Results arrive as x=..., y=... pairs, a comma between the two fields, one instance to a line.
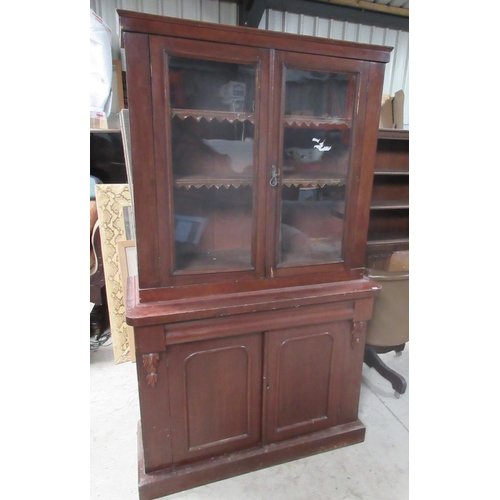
x=98, y=120
x=391, y=112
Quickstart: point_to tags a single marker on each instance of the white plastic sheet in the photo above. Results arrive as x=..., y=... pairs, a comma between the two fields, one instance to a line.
x=101, y=65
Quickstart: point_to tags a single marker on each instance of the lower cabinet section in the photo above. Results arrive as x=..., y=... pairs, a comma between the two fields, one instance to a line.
x=238, y=393
x=221, y=391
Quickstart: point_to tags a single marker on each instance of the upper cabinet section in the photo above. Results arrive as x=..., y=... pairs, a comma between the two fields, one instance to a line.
x=252, y=155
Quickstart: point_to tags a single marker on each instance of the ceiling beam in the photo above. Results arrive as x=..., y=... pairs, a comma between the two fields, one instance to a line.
x=251, y=12
x=378, y=7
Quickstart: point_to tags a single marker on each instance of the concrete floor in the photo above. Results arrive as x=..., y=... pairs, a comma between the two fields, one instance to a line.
x=376, y=469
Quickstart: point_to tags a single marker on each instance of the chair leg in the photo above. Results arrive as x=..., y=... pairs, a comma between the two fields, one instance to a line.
x=373, y=360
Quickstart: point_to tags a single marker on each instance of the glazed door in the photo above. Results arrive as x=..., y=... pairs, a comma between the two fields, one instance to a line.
x=208, y=101
x=318, y=112
x=215, y=389
x=303, y=379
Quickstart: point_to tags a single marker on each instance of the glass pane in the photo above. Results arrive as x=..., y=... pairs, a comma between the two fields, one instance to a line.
x=211, y=85
x=212, y=127
x=316, y=149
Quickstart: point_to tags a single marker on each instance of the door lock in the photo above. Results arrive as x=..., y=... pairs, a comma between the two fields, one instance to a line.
x=274, y=176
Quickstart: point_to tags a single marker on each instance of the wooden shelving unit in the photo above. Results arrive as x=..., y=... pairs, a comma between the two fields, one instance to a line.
x=389, y=210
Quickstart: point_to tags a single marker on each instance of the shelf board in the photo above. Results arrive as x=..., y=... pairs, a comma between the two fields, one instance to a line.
x=313, y=180
x=105, y=131
x=380, y=171
x=215, y=260
x=316, y=122
x=199, y=181
x=242, y=180
x=389, y=204
x=209, y=115
x=394, y=134
x=388, y=240
x=291, y=121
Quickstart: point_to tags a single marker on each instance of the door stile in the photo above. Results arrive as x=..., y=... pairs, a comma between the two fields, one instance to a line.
x=277, y=86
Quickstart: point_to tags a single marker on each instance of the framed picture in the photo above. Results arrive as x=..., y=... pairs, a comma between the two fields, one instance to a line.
x=189, y=229
x=127, y=256
x=113, y=200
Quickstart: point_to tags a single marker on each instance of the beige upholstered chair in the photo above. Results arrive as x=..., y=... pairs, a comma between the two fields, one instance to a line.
x=388, y=329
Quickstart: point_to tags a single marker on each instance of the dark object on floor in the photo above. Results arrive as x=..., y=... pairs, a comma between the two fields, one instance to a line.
x=373, y=360
x=100, y=340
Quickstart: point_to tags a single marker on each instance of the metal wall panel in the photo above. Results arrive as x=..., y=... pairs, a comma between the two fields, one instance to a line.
x=215, y=11
x=226, y=12
x=397, y=70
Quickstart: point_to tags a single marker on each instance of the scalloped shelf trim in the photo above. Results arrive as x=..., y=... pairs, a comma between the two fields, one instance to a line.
x=298, y=121
x=219, y=116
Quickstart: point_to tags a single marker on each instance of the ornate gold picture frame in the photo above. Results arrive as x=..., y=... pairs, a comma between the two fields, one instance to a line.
x=113, y=205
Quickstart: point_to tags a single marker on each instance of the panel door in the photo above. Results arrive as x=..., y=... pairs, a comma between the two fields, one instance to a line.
x=209, y=100
x=303, y=379
x=319, y=111
x=215, y=392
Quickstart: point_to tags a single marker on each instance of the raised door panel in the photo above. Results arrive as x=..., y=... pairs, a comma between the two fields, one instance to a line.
x=303, y=379
x=215, y=392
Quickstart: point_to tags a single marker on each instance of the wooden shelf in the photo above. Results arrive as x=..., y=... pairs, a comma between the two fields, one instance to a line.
x=389, y=204
x=291, y=121
x=220, y=116
x=313, y=180
x=199, y=181
x=379, y=171
x=316, y=122
x=394, y=134
x=209, y=261
x=242, y=180
x=389, y=210
x=105, y=131
x=392, y=239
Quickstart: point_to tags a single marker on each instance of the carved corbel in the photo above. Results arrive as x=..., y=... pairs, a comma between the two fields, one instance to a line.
x=150, y=363
x=358, y=328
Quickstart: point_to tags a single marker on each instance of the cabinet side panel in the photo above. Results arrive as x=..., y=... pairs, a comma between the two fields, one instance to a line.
x=155, y=410
x=352, y=372
x=141, y=139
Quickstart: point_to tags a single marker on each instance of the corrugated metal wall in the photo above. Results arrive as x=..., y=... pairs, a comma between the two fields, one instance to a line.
x=219, y=11
x=397, y=70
